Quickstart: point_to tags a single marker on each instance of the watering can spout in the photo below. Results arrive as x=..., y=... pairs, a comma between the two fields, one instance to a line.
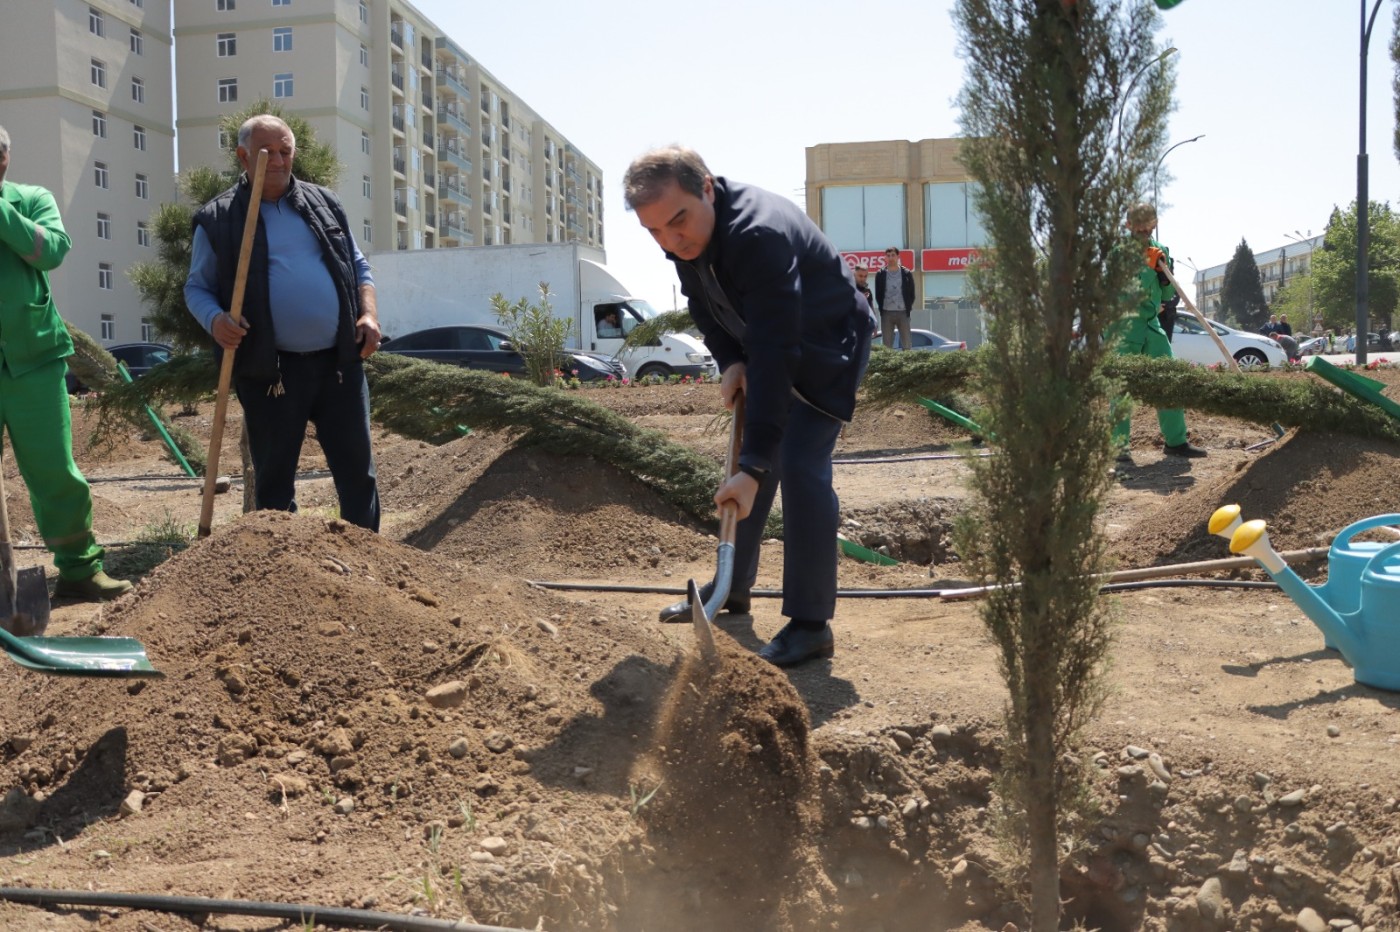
x=1251, y=538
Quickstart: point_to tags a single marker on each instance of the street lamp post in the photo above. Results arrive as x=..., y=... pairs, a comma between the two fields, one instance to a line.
x=1363, y=202
x=1155, y=168
x=1302, y=240
x=1128, y=92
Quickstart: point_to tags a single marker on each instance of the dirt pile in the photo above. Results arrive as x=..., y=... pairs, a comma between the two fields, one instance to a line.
x=1306, y=486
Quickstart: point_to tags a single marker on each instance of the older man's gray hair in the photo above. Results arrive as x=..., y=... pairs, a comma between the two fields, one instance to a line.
x=258, y=121
x=4, y=141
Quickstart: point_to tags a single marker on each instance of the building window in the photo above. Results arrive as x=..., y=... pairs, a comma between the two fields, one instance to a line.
x=864, y=217
x=281, y=2
x=148, y=330
x=109, y=321
x=104, y=281
x=138, y=90
x=364, y=11
x=228, y=90
x=364, y=98
x=99, y=174
x=365, y=186
x=98, y=72
x=281, y=85
x=228, y=44
x=223, y=6
x=139, y=4
x=104, y=226
x=368, y=232
x=143, y=234
x=225, y=140
x=138, y=42
x=142, y=188
x=282, y=39
x=99, y=124
x=364, y=142
x=950, y=216
x=97, y=24
x=364, y=55
x=138, y=137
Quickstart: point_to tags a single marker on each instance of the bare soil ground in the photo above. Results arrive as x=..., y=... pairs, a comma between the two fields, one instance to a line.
x=406, y=723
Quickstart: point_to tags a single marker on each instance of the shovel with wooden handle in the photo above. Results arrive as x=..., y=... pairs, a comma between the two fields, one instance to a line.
x=1205, y=324
x=702, y=613
x=235, y=310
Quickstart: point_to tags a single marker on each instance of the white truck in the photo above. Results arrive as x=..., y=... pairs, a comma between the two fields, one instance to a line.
x=421, y=288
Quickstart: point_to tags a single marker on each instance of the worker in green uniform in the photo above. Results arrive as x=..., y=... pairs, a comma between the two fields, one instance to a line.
x=33, y=396
x=1142, y=333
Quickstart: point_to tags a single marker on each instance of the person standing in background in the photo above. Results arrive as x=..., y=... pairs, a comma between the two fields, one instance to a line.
x=894, y=291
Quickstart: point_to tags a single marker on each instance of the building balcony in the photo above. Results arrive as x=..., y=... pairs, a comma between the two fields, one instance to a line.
x=454, y=119
x=400, y=166
x=427, y=58
x=396, y=35
x=454, y=193
x=400, y=205
x=430, y=179
x=396, y=79
x=453, y=82
x=427, y=95
x=397, y=120
x=455, y=158
x=428, y=136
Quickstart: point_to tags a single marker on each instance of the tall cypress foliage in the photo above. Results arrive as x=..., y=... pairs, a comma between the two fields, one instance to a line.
x=1064, y=111
x=1242, y=290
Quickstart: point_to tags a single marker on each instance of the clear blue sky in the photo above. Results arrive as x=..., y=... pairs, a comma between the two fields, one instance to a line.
x=1273, y=85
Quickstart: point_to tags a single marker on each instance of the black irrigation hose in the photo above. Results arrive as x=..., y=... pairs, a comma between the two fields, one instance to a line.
x=913, y=457
x=909, y=593
x=197, y=905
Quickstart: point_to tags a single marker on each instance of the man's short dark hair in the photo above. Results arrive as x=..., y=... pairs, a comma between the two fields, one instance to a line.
x=892, y=249
x=651, y=172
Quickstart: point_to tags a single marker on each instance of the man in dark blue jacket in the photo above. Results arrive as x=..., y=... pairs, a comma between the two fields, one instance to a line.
x=778, y=308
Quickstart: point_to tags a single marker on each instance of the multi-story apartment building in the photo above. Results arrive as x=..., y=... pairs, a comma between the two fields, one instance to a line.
x=85, y=94
x=916, y=196
x=1277, y=267
x=437, y=151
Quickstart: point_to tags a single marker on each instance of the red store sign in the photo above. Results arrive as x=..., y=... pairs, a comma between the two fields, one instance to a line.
x=947, y=260
x=874, y=259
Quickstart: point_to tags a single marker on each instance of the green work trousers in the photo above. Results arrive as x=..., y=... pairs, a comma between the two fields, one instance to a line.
x=1145, y=339
x=34, y=411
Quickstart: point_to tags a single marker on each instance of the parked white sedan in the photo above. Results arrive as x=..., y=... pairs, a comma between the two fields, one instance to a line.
x=1193, y=344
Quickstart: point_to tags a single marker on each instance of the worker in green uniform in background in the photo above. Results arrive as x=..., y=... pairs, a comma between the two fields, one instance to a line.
x=1142, y=333
x=33, y=397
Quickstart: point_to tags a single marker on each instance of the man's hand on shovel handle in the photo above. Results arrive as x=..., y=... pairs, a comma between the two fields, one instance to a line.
x=739, y=490
x=228, y=333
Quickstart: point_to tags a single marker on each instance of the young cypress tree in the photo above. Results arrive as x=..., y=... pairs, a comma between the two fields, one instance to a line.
x=1065, y=111
x=1242, y=291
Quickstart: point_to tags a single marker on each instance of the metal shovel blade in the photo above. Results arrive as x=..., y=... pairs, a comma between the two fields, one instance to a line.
x=703, y=633
x=28, y=602
x=80, y=656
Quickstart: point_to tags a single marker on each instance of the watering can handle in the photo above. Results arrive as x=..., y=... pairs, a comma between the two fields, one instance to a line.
x=1343, y=539
x=1376, y=564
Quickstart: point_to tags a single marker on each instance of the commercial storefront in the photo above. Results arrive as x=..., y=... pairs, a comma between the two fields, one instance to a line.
x=915, y=196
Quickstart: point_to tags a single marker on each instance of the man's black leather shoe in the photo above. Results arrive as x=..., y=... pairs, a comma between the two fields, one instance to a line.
x=736, y=604
x=1185, y=449
x=794, y=645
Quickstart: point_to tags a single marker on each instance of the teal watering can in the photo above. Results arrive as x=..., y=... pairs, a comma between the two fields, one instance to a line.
x=1357, y=610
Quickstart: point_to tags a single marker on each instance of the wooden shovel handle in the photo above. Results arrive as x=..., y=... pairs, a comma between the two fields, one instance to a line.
x=728, y=513
x=240, y=284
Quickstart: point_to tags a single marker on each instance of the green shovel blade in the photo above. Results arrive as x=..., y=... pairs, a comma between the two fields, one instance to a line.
x=80, y=656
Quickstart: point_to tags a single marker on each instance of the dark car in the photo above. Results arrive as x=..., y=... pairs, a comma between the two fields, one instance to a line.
x=490, y=350
x=139, y=359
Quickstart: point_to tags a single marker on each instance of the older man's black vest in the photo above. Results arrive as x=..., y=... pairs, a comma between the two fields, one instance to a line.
x=222, y=221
